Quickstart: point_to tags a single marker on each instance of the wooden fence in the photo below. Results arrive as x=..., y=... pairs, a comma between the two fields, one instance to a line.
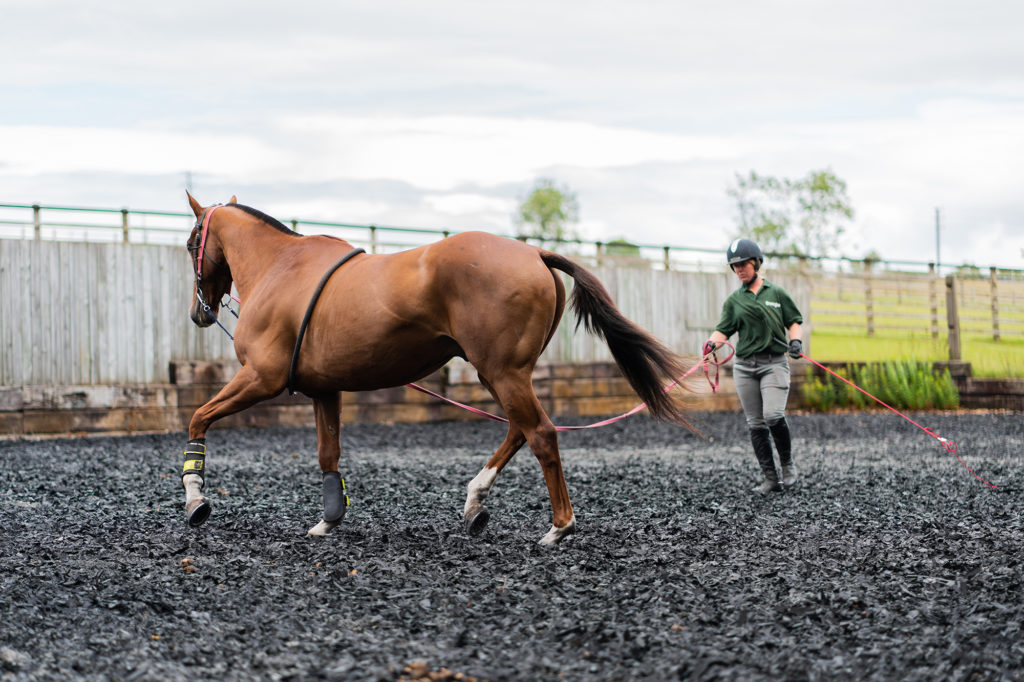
x=95, y=337
x=881, y=303
x=74, y=313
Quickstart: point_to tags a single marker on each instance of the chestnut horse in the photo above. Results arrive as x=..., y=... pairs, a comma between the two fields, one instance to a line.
x=387, y=320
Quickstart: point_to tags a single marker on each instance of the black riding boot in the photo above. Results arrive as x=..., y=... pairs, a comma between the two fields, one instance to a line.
x=763, y=450
x=783, y=445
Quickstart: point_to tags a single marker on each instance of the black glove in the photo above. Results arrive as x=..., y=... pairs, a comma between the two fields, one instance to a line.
x=795, y=346
x=708, y=349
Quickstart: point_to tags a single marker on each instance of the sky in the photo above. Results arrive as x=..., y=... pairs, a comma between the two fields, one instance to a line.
x=444, y=114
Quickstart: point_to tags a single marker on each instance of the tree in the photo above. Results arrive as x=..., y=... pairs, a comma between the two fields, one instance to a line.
x=550, y=210
x=622, y=247
x=871, y=259
x=969, y=271
x=803, y=217
x=623, y=252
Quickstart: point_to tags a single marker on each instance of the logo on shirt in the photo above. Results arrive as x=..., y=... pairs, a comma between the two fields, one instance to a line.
x=773, y=304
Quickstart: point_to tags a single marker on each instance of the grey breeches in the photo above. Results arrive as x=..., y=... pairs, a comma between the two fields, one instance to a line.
x=762, y=383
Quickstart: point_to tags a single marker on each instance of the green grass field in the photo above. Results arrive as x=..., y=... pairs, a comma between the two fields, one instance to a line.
x=988, y=358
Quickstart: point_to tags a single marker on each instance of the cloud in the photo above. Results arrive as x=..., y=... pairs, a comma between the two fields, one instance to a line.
x=37, y=150
x=442, y=114
x=466, y=172
x=468, y=204
x=444, y=152
x=433, y=153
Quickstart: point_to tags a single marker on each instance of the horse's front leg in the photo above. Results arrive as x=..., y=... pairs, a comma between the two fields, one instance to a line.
x=328, y=444
x=244, y=390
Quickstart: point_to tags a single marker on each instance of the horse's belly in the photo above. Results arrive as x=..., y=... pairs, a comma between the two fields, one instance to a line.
x=387, y=363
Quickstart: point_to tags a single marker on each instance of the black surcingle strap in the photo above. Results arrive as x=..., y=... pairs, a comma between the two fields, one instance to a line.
x=309, y=314
x=195, y=458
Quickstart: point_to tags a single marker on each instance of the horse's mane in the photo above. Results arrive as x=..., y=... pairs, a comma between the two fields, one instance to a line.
x=269, y=220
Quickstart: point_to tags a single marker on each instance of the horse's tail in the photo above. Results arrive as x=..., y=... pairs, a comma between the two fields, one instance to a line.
x=643, y=360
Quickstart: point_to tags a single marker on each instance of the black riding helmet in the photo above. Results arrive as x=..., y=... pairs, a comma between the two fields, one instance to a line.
x=744, y=250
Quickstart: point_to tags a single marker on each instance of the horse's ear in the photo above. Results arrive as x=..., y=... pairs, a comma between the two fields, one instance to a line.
x=233, y=199
x=196, y=207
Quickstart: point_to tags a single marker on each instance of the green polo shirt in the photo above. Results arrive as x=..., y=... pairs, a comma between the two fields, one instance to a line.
x=758, y=318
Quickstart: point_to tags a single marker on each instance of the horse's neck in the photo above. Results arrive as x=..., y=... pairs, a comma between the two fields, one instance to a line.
x=250, y=249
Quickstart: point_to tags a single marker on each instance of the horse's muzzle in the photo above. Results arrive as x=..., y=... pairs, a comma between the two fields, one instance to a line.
x=201, y=316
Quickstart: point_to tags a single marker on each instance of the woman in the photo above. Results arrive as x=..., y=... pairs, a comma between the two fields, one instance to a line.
x=763, y=313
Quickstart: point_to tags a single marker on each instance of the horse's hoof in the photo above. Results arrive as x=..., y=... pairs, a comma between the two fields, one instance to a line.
x=197, y=511
x=476, y=523
x=556, y=534
x=322, y=528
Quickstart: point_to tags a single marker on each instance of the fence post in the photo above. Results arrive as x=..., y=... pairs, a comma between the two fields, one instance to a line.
x=995, y=303
x=933, y=300
x=952, y=319
x=37, y=223
x=373, y=239
x=295, y=225
x=668, y=260
x=869, y=299
x=124, y=225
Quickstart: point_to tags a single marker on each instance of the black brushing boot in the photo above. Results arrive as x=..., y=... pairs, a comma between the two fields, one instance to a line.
x=780, y=434
x=761, y=439
x=335, y=499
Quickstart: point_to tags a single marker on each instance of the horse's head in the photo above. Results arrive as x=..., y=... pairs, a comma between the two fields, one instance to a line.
x=212, y=274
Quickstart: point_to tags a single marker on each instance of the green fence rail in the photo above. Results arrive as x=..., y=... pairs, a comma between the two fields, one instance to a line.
x=132, y=226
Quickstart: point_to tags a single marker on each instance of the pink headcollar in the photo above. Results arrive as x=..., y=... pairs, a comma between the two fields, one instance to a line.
x=202, y=241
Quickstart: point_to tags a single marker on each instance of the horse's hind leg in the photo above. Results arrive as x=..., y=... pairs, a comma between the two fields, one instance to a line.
x=544, y=443
x=525, y=412
x=328, y=441
x=475, y=513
